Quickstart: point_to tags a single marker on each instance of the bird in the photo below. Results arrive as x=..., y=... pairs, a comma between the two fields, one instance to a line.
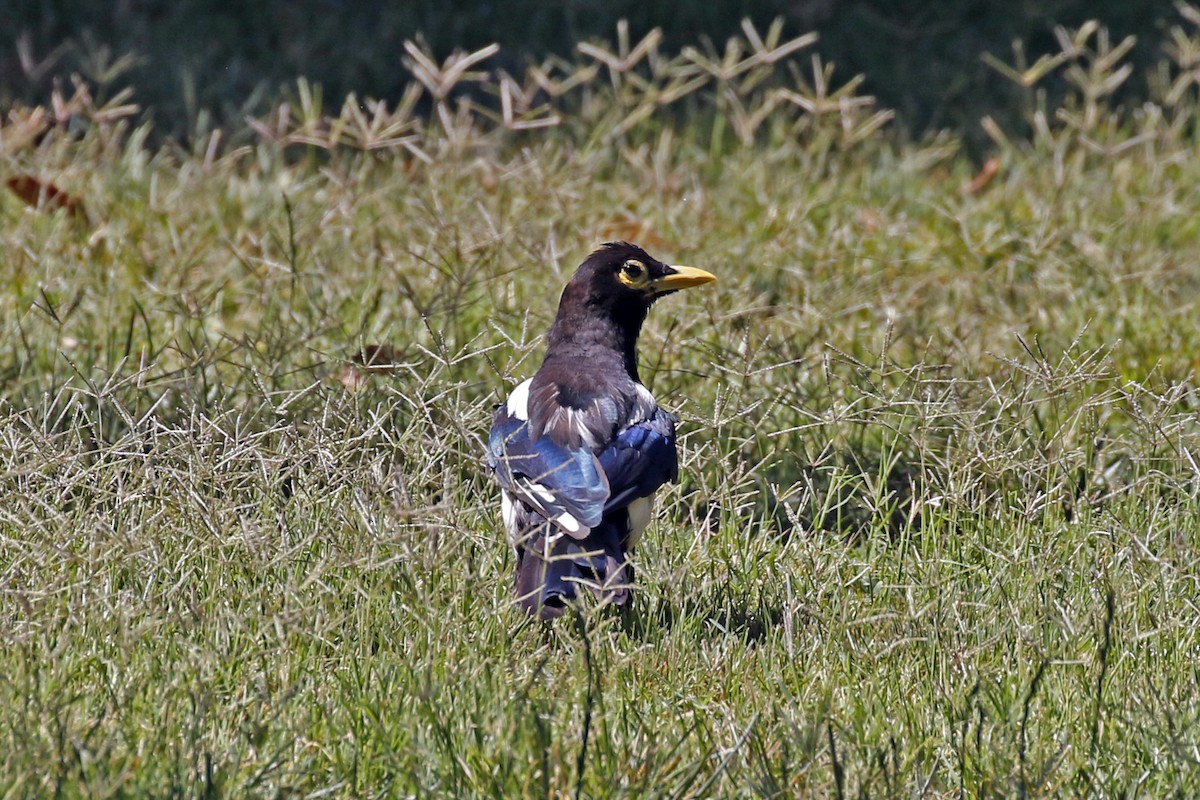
x=580, y=449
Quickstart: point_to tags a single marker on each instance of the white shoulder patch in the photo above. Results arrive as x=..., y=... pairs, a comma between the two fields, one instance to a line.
x=645, y=404
x=518, y=401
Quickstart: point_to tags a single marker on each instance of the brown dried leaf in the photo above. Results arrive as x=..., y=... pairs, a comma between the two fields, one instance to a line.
x=372, y=359
x=488, y=180
x=638, y=231
x=985, y=176
x=868, y=219
x=352, y=378
x=34, y=192
x=376, y=358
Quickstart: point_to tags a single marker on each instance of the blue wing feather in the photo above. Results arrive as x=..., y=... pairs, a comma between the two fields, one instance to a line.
x=572, y=475
x=641, y=459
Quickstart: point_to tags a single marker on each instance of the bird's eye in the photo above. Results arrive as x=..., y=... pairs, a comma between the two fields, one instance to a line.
x=634, y=270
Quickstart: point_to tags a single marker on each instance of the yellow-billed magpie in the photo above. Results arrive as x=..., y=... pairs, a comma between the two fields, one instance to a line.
x=580, y=448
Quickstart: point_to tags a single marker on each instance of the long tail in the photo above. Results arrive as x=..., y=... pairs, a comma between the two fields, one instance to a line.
x=548, y=581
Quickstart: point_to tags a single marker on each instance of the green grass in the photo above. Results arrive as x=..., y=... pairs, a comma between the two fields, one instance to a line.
x=937, y=532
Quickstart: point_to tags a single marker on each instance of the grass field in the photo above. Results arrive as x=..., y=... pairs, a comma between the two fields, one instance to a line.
x=937, y=532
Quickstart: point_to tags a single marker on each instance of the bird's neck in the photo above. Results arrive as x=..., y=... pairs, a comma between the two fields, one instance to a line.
x=597, y=339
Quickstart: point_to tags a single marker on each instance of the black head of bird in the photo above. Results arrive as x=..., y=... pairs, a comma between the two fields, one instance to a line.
x=580, y=448
x=604, y=305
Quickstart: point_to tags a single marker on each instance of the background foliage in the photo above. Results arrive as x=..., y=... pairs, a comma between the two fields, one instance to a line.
x=920, y=58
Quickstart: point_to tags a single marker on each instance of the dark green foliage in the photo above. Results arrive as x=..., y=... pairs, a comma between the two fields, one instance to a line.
x=920, y=58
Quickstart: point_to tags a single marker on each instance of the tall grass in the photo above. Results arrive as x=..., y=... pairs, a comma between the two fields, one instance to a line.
x=936, y=531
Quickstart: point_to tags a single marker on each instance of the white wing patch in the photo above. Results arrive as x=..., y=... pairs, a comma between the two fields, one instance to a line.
x=508, y=511
x=542, y=499
x=572, y=526
x=540, y=492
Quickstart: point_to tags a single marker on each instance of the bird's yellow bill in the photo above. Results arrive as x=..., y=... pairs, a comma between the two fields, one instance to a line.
x=683, y=278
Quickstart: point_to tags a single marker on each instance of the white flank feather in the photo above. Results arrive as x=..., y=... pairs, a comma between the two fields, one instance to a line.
x=639, y=517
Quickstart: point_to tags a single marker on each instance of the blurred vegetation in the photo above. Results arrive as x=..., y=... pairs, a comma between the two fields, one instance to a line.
x=228, y=59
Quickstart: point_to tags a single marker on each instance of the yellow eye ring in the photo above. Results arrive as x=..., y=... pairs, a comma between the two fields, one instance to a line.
x=633, y=269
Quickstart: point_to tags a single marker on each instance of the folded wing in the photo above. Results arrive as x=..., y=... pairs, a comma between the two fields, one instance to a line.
x=640, y=459
x=567, y=486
